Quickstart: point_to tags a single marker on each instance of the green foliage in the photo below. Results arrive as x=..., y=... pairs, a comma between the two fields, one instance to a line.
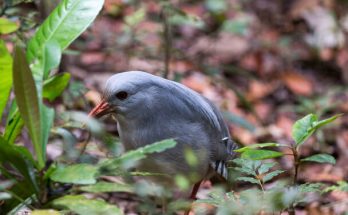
x=81, y=205
x=341, y=186
x=256, y=172
x=20, y=159
x=30, y=85
x=320, y=158
x=256, y=146
x=6, y=26
x=305, y=127
x=135, y=18
x=14, y=124
x=252, y=201
x=239, y=27
x=104, y=187
x=28, y=102
x=68, y=20
x=260, y=154
x=6, y=76
x=54, y=86
x=130, y=158
x=76, y=174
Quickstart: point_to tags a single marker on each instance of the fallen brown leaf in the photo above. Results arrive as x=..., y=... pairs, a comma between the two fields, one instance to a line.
x=298, y=84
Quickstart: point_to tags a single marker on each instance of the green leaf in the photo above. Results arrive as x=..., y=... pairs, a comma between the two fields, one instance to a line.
x=6, y=26
x=320, y=158
x=271, y=175
x=248, y=179
x=256, y=146
x=326, y=121
x=27, y=101
x=103, y=187
x=186, y=19
x=341, y=186
x=247, y=163
x=81, y=205
x=6, y=76
x=47, y=117
x=246, y=171
x=14, y=124
x=239, y=27
x=45, y=212
x=76, y=174
x=65, y=23
x=51, y=57
x=260, y=154
x=303, y=128
x=265, y=167
x=129, y=159
x=136, y=17
x=54, y=86
x=311, y=187
x=21, y=159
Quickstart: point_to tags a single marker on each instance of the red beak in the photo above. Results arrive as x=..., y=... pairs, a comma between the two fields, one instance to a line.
x=100, y=110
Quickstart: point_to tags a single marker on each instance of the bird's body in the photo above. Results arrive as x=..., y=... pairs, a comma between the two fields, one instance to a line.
x=150, y=109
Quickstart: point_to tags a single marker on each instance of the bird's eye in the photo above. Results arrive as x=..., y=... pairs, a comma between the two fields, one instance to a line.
x=122, y=95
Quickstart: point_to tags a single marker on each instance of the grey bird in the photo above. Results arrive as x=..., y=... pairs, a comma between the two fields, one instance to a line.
x=149, y=108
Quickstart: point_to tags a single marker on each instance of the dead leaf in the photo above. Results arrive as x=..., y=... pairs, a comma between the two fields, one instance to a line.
x=89, y=58
x=285, y=124
x=258, y=90
x=263, y=110
x=197, y=81
x=298, y=84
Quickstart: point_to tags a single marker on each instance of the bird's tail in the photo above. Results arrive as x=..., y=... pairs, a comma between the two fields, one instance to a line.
x=220, y=166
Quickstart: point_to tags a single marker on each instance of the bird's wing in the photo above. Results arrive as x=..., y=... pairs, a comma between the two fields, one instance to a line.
x=210, y=113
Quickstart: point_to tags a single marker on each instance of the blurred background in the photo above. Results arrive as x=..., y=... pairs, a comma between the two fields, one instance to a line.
x=264, y=63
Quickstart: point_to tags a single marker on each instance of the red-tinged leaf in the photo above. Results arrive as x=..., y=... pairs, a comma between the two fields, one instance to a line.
x=27, y=101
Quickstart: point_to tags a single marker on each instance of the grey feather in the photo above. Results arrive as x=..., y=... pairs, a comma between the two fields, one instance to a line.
x=158, y=109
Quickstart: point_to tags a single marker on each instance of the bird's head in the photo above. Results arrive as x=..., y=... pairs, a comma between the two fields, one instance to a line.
x=126, y=94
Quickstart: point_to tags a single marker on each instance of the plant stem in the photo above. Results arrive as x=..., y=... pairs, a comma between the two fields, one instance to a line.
x=296, y=164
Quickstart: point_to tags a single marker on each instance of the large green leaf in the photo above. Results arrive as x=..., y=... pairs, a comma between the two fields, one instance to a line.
x=81, y=205
x=6, y=76
x=103, y=187
x=21, y=159
x=66, y=22
x=256, y=146
x=260, y=154
x=303, y=128
x=130, y=158
x=6, y=26
x=54, y=86
x=27, y=101
x=320, y=158
x=47, y=117
x=271, y=175
x=51, y=57
x=76, y=174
